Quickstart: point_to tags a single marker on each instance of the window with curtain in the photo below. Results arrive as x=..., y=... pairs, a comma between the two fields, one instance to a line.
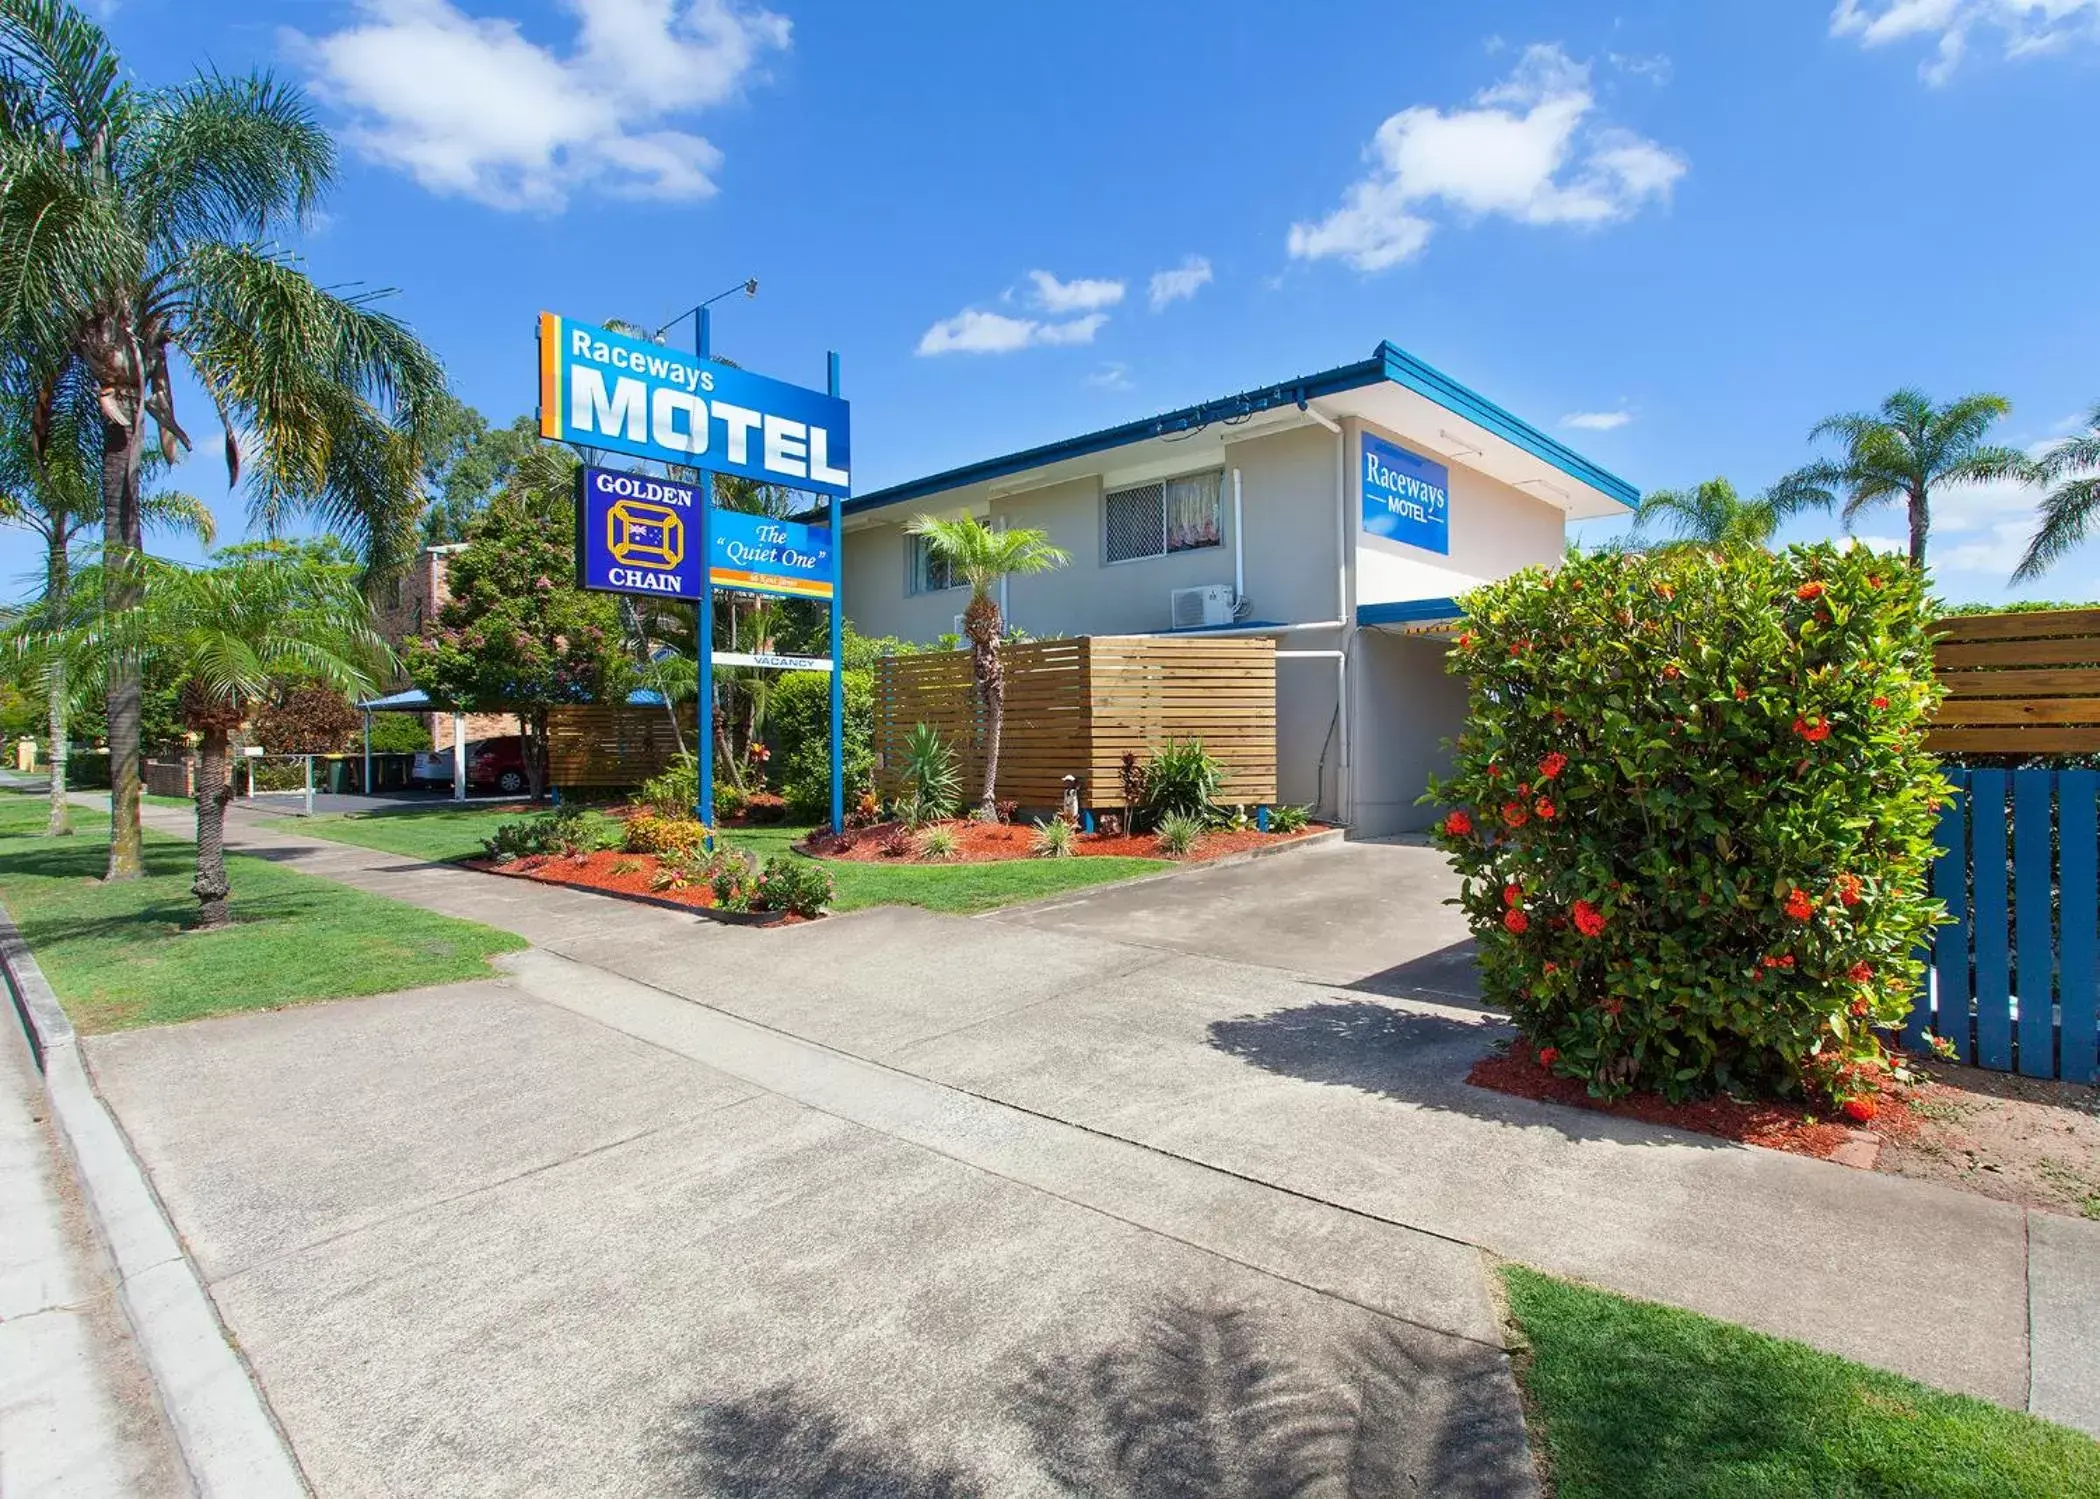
x=930, y=572
x=1151, y=520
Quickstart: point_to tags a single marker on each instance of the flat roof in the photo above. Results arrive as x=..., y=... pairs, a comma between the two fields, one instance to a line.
x=1388, y=364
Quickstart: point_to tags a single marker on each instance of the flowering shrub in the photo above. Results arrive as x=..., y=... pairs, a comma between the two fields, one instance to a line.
x=652, y=833
x=1692, y=815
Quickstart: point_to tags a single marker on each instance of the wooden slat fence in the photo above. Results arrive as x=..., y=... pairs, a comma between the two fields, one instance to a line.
x=616, y=747
x=2018, y=684
x=1073, y=707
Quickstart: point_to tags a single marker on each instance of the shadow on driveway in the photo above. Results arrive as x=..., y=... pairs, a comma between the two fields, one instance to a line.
x=1413, y=1056
x=1206, y=1398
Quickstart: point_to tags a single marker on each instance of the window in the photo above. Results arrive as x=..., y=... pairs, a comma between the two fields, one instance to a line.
x=930, y=573
x=1151, y=520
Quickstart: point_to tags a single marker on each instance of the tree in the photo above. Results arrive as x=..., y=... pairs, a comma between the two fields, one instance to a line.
x=1908, y=450
x=983, y=556
x=468, y=461
x=2072, y=508
x=224, y=634
x=1713, y=515
x=137, y=230
x=306, y=716
x=517, y=635
x=52, y=491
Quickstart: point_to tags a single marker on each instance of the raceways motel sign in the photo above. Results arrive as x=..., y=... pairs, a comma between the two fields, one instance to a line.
x=604, y=390
x=638, y=534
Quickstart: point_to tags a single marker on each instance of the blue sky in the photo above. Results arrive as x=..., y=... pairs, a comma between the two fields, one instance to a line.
x=1673, y=234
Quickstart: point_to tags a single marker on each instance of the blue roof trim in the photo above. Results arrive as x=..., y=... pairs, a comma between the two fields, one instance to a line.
x=1409, y=612
x=1187, y=419
x=1402, y=368
x=1387, y=362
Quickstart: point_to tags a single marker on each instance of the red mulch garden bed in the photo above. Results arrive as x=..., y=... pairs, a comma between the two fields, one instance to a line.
x=990, y=842
x=607, y=873
x=1776, y=1126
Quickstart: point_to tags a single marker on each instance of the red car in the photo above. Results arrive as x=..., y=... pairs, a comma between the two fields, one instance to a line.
x=491, y=763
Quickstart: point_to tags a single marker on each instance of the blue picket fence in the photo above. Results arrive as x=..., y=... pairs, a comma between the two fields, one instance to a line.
x=2015, y=979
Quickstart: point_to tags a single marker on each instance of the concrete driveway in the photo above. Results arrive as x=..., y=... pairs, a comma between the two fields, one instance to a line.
x=929, y=1205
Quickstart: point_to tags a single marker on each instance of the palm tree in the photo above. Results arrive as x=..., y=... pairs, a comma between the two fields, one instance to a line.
x=2072, y=507
x=224, y=633
x=137, y=231
x=54, y=495
x=1907, y=451
x=1713, y=515
x=983, y=556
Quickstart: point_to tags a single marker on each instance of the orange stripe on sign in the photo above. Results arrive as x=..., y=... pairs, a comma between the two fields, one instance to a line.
x=727, y=577
x=550, y=375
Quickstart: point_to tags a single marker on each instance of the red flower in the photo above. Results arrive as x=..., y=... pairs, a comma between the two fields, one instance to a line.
x=1546, y=810
x=1465, y=639
x=1671, y=673
x=1458, y=824
x=1614, y=1006
x=1548, y=1055
x=1514, y=815
x=1809, y=590
x=1588, y=919
x=1551, y=966
x=1741, y=693
x=1552, y=765
x=1859, y=973
x=1860, y=1110
x=1873, y=582
x=1513, y=895
x=1881, y=702
x=1516, y=921
x=1814, y=731
x=1519, y=647
x=1848, y=888
x=1494, y=771
x=1798, y=905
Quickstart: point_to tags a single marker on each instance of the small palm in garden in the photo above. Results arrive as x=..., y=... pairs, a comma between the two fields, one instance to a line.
x=1694, y=816
x=983, y=556
x=225, y=634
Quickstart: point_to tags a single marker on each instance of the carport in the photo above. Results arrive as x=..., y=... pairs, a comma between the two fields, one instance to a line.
x=415, y=700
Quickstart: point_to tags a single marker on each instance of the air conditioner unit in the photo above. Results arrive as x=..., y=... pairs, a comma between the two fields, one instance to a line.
x=1195, y=608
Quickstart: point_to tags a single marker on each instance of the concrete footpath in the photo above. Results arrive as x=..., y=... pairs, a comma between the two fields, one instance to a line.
x=1195, y=1060
x=78, y=1415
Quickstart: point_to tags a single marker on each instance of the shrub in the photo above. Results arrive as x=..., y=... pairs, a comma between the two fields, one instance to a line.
x=1181, y=777
x=398, y=734
x=1179, y=833
x=1692, y=814
x=730, y=801
x=1052, y=840
x=649, y=833
x=800, y=886
x=732, y=876
x=897, y=843
x=1289, y=819
x=565, y=830
x=674, y=791
x=308, y=718
x=933, y=783
x=938, y=844
x=798, y=728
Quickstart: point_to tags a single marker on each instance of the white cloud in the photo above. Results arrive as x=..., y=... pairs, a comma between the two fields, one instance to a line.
x=973, y=331
x=469, y=106
x=1596, y=421
x=1115, y=375
x=2027, y=27
x=1529, y=149
x=1055, y=296
x=1180, y=283
x=1657, y=67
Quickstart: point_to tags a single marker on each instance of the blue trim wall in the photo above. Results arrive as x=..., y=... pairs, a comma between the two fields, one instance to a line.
x=1387, y=362
x=1408, y=612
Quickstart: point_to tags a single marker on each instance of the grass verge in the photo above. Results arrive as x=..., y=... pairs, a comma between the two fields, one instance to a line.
x=1638, y=1401
x=119, y=956
x=449, y=834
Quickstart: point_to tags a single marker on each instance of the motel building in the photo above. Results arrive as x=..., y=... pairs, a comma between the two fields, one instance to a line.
x=1339, y=514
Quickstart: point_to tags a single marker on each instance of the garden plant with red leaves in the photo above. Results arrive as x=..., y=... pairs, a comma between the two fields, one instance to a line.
x=1731, y=884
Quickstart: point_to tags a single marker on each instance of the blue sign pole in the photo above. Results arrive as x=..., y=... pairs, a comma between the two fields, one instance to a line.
x=838, y=634
x=704, y=622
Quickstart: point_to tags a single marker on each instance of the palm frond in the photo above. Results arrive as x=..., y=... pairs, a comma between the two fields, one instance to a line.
x=228, y=158
x=2070, y=513
x=175, y=510
x=69, y=63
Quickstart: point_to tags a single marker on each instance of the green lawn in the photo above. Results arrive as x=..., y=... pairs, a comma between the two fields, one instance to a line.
x=449, y=833
x=118, y=955
x=1637, y=1401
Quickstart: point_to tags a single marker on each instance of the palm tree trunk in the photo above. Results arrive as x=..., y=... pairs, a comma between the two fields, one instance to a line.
x=1920, y=523
x=56, y=582
x=214, y=791
x=121, y=541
